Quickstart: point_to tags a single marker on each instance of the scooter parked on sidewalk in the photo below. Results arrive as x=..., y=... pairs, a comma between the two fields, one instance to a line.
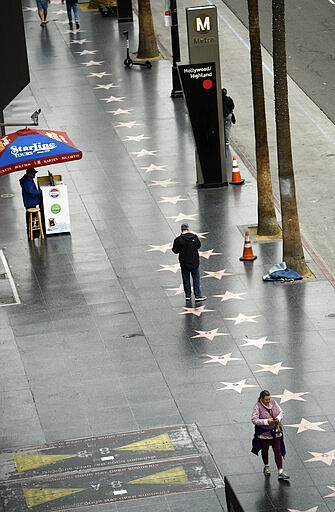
x=128, y=62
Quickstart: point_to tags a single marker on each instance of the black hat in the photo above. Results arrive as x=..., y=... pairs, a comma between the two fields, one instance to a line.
x=31, y=170
x=185, y=226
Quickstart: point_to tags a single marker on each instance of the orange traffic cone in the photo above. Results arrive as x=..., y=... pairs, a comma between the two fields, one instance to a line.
x=247, y=255
x=235, y=174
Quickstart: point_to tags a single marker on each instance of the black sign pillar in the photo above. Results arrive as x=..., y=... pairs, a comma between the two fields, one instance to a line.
x=176, y=87
x=124, y=11
x=199, y=86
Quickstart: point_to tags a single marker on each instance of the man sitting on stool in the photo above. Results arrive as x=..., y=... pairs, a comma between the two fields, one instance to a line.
x=30, y=194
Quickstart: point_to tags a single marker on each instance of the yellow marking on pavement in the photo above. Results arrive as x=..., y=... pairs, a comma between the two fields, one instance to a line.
x=24, y=462
x=158, y=443
x=35, y=497
x=175, y=475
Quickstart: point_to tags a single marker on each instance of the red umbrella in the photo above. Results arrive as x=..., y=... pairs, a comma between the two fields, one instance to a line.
x=35, y=148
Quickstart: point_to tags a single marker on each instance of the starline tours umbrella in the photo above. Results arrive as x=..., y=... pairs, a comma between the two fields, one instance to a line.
x=35, y=148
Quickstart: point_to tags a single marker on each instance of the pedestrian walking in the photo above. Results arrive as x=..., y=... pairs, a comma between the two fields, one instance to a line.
x=42, y=9
x=31, y=195
x=72, y=6
x=228, y=114
x=267, y=416
x=187, y=245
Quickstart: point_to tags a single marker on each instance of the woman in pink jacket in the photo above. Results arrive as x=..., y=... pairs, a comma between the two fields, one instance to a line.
x=267, y=416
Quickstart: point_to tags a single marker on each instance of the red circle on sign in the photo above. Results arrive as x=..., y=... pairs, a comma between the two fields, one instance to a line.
x=207, y=84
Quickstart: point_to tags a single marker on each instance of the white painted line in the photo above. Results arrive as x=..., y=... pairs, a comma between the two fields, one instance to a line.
x=122, y=491
x=10, y=279
x=110, y=457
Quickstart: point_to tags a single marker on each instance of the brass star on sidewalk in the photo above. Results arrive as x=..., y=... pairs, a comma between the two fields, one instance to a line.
x=258, y=342
x=98, y=75
x=106, y=87
x=308, y=425
x=135, y=138
x=236, y=386
x=241, y=318
x=160, y=248
x=184, y=216
x=230, y=295
x=88, y=52
x=209, y=335
x=178, y=291
x=171, y=268
x=224, y=359
x=144, y=152
x=60, y=11
x=120, y=111
x=154, y=167
x=289, y=395
x=195, y=311
x=326, y=458
x=80, y=41
x=219, y=274
x=273, y=368
x=113, y=98
x=208, y=254
x=202, y=235
x=332, y=495
x=172, y=199
x=93, y=63
x=163, y=183
x=128, y=125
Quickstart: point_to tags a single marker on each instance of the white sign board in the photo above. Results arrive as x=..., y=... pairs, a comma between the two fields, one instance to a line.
x=56, y=209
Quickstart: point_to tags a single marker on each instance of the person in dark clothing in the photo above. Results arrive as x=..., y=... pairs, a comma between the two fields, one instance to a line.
x=228, y=114
x=187, y=245
x=30, y=194
x=72, y=6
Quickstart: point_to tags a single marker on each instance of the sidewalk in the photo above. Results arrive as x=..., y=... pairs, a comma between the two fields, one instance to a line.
x=102, y=342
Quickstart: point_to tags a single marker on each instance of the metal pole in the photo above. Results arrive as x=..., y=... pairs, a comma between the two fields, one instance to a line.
x=176, y=86
x=2, y=124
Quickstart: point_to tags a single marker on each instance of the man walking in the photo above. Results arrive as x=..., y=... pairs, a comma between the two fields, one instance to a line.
x=42, y=9
x=228, y=114
x=72, y=5
x=187, y=245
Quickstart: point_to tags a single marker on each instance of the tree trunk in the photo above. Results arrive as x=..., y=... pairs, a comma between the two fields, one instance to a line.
x=147, y=47
x=293, y=253
x=267, y=221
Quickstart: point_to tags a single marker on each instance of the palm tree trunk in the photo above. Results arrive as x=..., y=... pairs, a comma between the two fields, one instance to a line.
x=293, y=253
x=147, y=47
x=267, y=221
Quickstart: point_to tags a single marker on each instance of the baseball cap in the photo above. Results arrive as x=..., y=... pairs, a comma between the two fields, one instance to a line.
x=184, y=226
x=30, y=170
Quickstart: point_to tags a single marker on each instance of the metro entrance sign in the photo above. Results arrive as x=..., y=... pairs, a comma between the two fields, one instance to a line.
x=199, y=87
x=203, y=47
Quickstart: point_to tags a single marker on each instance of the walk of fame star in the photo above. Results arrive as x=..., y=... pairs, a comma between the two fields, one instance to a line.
x=93, y=63
x=172, y=199
x=80, y=41
x=202, y=235
x=195, y=311
x=332, y=495
x=120, y=111
x=224, y=359
x=162, y=183
x=230, y=295
x=160, y=248
x=88, y=52
x=289, y=395
x=258, y=342
x=178, y=291
x=273, y=368
x=172, y=268
x=209, y=335
x=236, y=386
x=99, y=75
x=60, y=11
x=326, y=458
x=308, y=425
x=219, y=274
x=154, y=167
x=208, y=254
x=106, y=87
x=184, y=216
x=143, y=152
x=135, y=138
x=128, y=125
x=241, y=318
x=113, y=98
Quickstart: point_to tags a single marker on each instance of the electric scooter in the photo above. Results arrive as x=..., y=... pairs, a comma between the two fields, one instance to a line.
x=128, y=62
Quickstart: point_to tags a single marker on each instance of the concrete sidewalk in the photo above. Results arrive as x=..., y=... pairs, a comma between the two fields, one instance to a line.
x=103, y=343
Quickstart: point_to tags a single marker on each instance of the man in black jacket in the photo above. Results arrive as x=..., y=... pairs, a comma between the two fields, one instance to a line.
x=187, y=245
x=228, y=114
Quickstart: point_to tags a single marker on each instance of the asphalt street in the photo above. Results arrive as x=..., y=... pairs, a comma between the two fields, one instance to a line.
x=310, y=44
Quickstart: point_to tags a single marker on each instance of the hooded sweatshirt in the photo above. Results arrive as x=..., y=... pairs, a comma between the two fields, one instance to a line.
x=187, y=245
x=30, y=193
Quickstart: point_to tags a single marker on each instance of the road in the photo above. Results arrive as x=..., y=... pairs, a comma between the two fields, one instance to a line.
x=310, y=44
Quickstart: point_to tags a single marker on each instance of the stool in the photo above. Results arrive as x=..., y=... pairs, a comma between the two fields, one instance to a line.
x=34, y=222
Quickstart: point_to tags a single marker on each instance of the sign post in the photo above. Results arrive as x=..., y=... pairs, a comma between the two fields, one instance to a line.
x=203, y=47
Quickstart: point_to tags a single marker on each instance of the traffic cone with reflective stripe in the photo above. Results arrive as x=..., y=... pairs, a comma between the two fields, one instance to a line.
x=247, y=255
x=235, y=174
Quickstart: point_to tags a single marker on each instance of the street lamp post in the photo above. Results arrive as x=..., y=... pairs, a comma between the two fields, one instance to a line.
x=176, y=86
